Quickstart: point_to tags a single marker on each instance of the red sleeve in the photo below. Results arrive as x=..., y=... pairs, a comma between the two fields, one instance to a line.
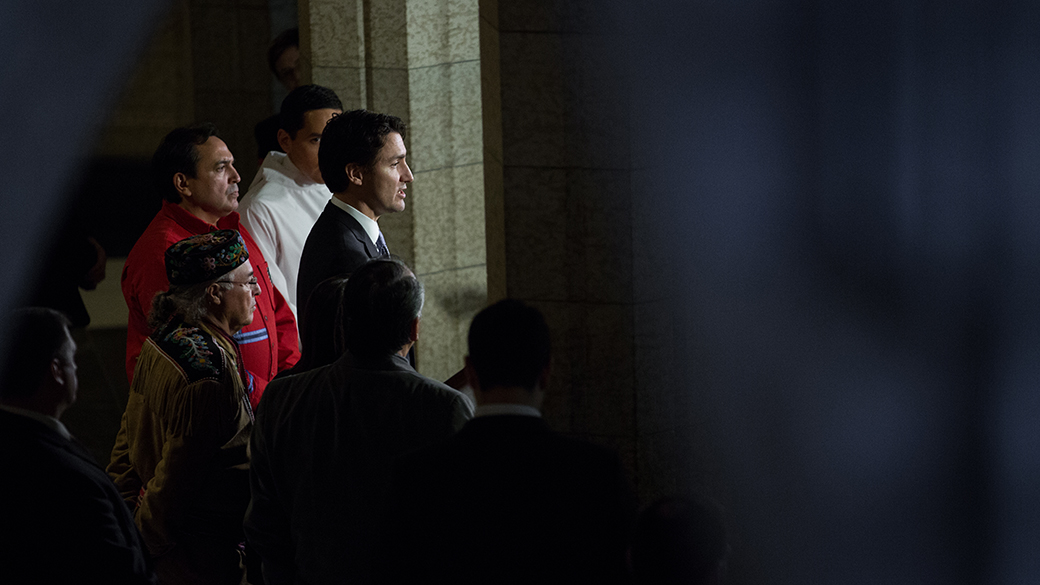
x=288, y=346
x=288, y=335
x=288, y=338
x=141, y=280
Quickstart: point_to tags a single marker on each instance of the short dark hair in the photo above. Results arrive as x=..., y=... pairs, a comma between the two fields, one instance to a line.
x=302, y=100
x=289, y=37
x=37, y=334
x=382, y=299
x=353, y=137
x=509, y=345
x=178, y=153
x=678, y=540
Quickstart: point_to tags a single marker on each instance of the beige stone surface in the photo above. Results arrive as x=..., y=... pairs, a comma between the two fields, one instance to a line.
x=389, y=92
x=446, y=108
x=491, y=89
x=388, y=34
x=347, y=82
x=336, y=33
x=449, y=212
x=470, y=229
x=398, y=229
x=442, y=31
x=453, y=297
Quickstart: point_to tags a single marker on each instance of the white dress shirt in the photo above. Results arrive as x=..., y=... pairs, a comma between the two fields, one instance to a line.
x=279, y=211
x=370, y=225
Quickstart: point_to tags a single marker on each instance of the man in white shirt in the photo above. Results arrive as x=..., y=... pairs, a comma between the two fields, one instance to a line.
x=288, y=192
x=362, y=158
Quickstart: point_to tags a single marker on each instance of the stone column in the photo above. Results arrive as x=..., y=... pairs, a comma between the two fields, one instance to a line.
x=419, y=60
x=567, y=211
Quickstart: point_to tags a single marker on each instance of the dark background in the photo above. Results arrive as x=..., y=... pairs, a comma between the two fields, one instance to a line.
x=847, y=192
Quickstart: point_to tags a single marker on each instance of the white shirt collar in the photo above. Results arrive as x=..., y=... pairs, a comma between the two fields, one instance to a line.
x=369, y=224
x=50, y=421
x=494, y=409
x=285, y=171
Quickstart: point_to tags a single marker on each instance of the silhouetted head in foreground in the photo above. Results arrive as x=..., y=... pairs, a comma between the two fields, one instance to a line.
x=383, y=302
x=679, y=540
x=509, y=354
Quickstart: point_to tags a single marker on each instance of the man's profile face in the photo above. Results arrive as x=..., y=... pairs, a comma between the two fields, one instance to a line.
x=213, y=192
x=303, y=149
x=239, y=301
x=385, y=181
x=287, y=67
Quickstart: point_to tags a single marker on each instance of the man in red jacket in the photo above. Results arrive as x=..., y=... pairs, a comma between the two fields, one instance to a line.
x=194, y=172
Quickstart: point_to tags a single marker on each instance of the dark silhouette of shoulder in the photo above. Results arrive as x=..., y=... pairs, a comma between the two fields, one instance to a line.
x=61, y=518
x=508, y=500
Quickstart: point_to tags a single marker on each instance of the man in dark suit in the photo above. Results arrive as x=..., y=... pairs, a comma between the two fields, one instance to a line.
x=506, y=500
x=362, y=159
x=324, y=440
x=61, y=518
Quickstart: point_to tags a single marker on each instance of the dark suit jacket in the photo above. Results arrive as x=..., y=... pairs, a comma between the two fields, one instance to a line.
x=336, y=245
x=322, y=449
x=506, y=500
x=61, y=518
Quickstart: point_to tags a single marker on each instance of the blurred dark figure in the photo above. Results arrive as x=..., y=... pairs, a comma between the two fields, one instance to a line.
x=679, y=541
x=61, y=518
x=75, y=260
x=506, y=500
x=323, y=327
x=283, y=57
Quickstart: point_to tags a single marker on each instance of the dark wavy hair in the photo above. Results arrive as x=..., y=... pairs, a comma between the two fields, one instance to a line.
x=302, y=100
x=353, y=137
x=178, y=153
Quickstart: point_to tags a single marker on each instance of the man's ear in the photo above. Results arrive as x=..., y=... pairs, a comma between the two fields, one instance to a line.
x=355, y=173
x=284, y=140
x=180, y=183
x=413, y=333
x=212, y=293
x=57, y=372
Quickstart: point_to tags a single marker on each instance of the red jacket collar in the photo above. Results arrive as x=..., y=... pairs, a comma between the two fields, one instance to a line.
x=194, y=224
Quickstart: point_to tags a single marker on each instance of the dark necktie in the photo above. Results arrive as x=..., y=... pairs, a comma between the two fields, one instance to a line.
x=381, y=248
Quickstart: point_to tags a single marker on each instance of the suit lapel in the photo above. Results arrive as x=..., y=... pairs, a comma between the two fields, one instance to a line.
x=355, y=229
